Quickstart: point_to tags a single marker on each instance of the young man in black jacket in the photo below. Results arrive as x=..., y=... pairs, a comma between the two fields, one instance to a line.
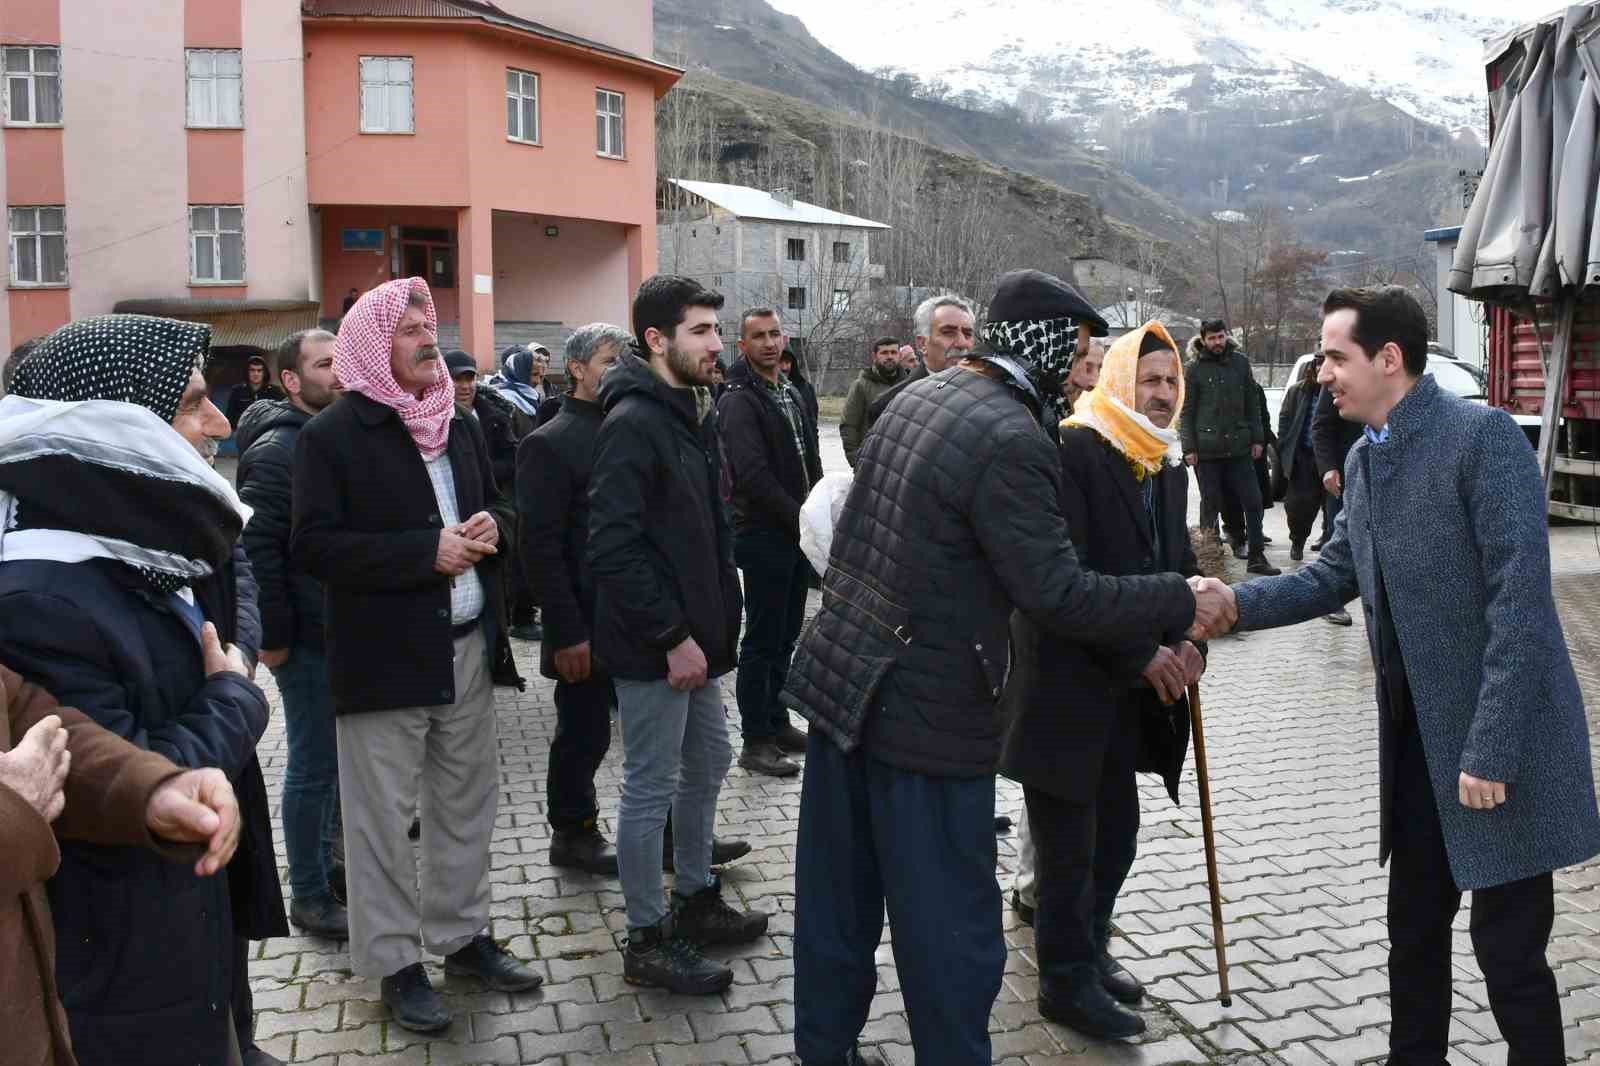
x=553, y=470
x=291, y=620
x=767, y=436
x=667, y=609
x=1331, y=440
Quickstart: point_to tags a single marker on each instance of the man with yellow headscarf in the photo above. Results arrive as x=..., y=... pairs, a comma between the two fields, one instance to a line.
x=1125, y=498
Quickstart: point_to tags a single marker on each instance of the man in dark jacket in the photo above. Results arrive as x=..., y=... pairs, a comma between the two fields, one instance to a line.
x=795, y=371
x=392, y=490
x=254, y=388
x=1331, y=440
x=666, y=614
x=881, y=375
x=291, y=617
x=138, y=632
x=1297, y=462
x=952, y=521
x=552, y=488
x=767, y=436
x=945, y=326
x=1224, y=433
x=1125, y=498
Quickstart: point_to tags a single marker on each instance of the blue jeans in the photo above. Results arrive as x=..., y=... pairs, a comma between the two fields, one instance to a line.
x=871, y=835
x=675, y=753
x=311, y=780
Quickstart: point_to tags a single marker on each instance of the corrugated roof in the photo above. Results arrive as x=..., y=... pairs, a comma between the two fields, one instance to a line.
x=479, y=10
x=746, y=202
x=234, y=323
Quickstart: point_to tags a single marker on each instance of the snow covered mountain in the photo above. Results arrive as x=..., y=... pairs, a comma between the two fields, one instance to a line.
x=1087, y=59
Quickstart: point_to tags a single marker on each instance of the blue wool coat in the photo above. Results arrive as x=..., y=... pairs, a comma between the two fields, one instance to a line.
x=1453, y=506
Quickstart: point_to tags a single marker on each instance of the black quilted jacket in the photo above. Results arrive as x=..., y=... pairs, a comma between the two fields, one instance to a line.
x=953, y=520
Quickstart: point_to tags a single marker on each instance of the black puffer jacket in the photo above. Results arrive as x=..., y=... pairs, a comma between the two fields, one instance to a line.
x=660, y=547
x=771, y=479
x=953, y=519
x=290, y=598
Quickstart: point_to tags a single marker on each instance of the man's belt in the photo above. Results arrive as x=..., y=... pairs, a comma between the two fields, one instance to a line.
x=465, y=629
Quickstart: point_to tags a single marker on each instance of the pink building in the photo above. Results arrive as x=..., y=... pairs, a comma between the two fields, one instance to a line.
x=250, y=163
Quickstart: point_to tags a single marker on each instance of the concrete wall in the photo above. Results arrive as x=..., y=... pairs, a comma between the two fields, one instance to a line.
x=278, y=237
x=625, y=24
x=577, y=277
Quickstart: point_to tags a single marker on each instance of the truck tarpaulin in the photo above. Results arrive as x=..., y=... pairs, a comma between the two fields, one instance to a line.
x=1533, y=231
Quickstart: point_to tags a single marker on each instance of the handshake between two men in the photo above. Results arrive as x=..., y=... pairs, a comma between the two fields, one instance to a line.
x=1215, y=610
x=1171, y=670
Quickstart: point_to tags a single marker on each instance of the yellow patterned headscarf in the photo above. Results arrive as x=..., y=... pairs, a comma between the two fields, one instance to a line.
x=1109, y=408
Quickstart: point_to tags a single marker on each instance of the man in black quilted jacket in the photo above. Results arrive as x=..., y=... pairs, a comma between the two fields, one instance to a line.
x=952, y=522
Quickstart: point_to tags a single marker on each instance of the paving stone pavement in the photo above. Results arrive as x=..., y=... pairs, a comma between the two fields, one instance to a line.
x=1291, y=733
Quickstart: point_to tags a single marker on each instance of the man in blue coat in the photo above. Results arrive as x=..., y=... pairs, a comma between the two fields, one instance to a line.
x=1486, y=779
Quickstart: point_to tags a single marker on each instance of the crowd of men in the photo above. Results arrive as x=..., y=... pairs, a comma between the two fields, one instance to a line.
x=1011, y=587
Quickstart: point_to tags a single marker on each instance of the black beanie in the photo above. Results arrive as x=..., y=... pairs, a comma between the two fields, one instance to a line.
x=1153, y=342
x=459, y=362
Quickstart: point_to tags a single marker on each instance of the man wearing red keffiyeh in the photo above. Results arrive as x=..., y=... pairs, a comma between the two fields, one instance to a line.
x=392, y=490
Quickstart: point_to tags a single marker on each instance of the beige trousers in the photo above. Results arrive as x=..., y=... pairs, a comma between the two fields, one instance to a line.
x=442, y=764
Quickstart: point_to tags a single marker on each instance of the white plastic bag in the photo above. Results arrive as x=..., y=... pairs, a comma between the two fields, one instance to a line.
x=818, y=515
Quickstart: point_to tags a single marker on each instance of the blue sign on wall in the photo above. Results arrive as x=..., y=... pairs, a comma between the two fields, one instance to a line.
x=363, y=240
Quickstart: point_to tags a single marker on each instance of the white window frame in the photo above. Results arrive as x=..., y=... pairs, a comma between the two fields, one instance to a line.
x=788, y=250
x=36, y=236
x=839, y=246
x=805, y=298
x=519, y=95
x=362, y=84
x=603, y=113
x=214, y=234
x=31, y=79
x=840, y=304
x=213, y=84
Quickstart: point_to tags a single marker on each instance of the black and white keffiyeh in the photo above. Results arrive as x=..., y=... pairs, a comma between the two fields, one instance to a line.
x=90, y=466
x=1045, y=349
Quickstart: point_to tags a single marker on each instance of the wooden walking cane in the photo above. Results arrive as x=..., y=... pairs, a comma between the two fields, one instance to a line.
x=1211, y=843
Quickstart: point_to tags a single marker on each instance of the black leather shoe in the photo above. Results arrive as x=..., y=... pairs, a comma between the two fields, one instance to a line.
x=657, y=958
x=1265, y=539
x=1296, y=552
x=722, y=852
x=1240, y=552
x=1259, y=565
x=492, y=964
x=1023, y=912
x=853, y=1057
x=1123, y=986
x=583, y=849
x=1317, y=545
x=764, y=757
x=791, y=740
x=254, y=1056
x=1090, y=1010
x=410, y=997
x=320, y=916
x=706, y=918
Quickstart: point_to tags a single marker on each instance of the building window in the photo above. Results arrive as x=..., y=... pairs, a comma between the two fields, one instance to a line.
x=797, y=250
x=522, y=106
x=38, y=246
x=215, y=92
x=216, y=238
x=608, y=123
x=386, y=95
x=33, y=86
x=841, y=252
x=797, y=298
x=841, y=301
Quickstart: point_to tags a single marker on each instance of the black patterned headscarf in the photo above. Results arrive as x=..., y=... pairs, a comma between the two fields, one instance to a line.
x=137, y=359
x=161, y=512
x=1045, y=348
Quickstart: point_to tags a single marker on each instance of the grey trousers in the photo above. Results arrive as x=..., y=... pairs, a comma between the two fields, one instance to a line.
x=442, y=764
x=1026, y=884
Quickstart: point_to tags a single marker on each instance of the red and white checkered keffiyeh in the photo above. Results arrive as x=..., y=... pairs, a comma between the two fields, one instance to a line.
x=361, y=362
